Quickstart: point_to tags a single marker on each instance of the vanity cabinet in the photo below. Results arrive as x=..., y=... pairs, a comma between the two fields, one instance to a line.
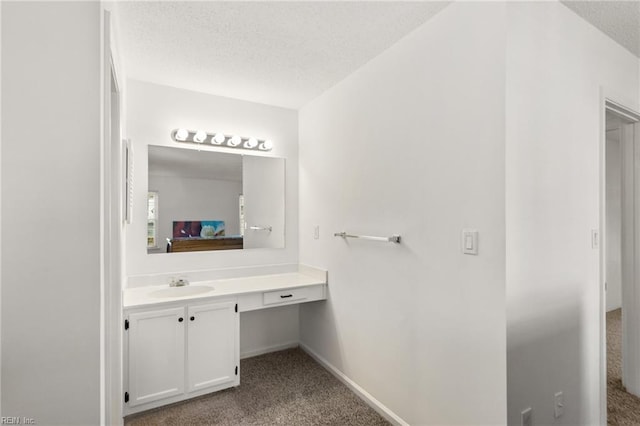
x=181, y=343
x=180, y=352
x=156, y=355
x=212, y=347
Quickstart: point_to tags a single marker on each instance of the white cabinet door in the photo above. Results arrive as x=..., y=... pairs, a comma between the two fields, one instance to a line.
x=213, y=352
x=156, y=355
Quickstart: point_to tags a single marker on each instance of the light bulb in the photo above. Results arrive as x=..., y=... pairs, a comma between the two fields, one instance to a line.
x=200, y=136
x=266, y=145
x=182, y=134
x=234, y=141
x=251, y=143
x=218, y=138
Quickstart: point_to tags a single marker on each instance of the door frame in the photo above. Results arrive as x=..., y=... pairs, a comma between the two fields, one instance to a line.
x=111, y=228
x=632, y=297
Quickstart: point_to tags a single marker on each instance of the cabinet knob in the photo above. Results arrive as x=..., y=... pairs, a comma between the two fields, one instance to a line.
x=180, y=319
x=192, y=318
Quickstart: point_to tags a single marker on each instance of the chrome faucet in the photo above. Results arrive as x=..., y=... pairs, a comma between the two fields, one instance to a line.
x=181, y=282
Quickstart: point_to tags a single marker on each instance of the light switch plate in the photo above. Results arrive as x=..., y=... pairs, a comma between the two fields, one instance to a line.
x=469, y=241
x=595, y=238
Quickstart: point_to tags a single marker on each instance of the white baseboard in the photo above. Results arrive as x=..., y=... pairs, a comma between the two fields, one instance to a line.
x=380, y=408
x=266, y=350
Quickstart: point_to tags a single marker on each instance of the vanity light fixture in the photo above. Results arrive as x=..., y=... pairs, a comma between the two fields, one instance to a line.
x=251, y=143
x=266, y=145
x=181, y=135
x=220, y=139
x=200, y=136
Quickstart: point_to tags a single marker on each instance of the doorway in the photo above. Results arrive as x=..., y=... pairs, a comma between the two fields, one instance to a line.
x=622, y=340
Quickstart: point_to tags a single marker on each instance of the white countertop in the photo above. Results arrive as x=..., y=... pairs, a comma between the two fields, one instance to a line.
x=142, y=296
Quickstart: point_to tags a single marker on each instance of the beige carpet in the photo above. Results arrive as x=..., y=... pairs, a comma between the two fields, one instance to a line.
x=280, y=388
x=623, y=409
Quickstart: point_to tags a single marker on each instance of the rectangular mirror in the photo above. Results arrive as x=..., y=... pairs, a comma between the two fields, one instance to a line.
x=206, y=200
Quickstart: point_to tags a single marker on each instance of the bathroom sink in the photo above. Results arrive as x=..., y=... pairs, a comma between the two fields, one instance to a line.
x=190, y=290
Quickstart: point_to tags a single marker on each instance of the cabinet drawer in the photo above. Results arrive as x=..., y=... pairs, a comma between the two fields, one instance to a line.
x=293, y=295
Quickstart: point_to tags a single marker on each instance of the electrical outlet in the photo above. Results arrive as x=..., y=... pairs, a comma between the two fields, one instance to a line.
x=526, y=417
x=559, y=404
x=316, y=232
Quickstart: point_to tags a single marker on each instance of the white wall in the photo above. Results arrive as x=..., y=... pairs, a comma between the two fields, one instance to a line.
x=413, y=143
x=268, y=330
x=613, y=225
x=557, y=66
x=0, y=211
x=183, y=198
x=153, y=111
x=51, y=211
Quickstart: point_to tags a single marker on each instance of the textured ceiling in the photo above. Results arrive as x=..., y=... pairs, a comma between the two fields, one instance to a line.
x=278, y=53
x=620, y=20
x=287, y=53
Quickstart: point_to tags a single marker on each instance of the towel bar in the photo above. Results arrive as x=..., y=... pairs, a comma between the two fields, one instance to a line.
x=392, y=239
x=261, y=228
